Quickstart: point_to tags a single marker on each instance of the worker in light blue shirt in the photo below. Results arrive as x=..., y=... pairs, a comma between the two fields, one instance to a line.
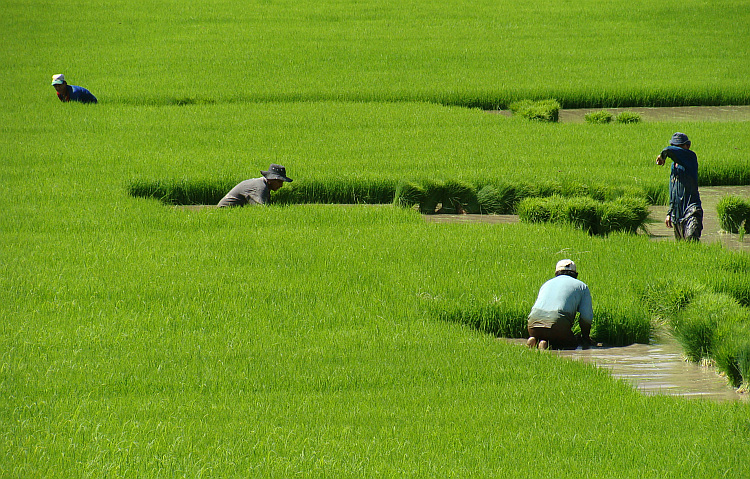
x=685, y=213
x=68, y=93
x=550, y=323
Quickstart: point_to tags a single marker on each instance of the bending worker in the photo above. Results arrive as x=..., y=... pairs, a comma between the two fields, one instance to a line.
x=256, y=190
x=553, y=315
x=68, y=93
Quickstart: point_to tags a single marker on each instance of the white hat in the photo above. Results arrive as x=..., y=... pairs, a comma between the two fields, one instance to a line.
x=58, y=79
x=565, y=265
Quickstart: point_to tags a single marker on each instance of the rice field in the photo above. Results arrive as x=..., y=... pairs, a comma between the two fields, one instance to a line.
x=349, y=340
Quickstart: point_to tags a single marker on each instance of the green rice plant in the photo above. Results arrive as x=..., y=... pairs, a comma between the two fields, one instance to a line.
x=626, y=214
x=734, y=214
x=628, y=117
x=710, y=320
x=435, y=195
x=409, y=194
x=540, y=110
x=492, y=200
x=664, y=299
x=599, y=117
x=535, y=210
x=460, y=198
x=583, y=213
x=620, y=327
x=488, y=318
x=656, y=193
x=181, y=192
x=333, y=191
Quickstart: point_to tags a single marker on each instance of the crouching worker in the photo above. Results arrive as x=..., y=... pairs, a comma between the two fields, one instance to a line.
x=256, y=191
x=554, y=312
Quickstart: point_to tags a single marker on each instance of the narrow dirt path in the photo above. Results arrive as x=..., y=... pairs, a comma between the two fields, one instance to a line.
x=658, y=231
x=655, y=114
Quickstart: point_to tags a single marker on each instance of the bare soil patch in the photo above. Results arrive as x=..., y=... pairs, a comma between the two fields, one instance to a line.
x=655, y=114
x=658, y=231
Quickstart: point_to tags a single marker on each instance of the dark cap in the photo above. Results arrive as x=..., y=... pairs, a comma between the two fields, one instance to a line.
x=679, y=139
x=276, y=172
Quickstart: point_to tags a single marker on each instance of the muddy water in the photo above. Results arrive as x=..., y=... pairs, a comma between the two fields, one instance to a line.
x=656, y=369
x=659, y=369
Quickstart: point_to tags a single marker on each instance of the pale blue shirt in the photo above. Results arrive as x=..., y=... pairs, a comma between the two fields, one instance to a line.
x=561, y=298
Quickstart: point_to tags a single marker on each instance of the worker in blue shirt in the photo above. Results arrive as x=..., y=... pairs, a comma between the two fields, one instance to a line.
x=685, y=213
x=550, y=323
x=67, y=92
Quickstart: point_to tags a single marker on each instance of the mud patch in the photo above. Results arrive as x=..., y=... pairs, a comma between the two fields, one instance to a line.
x=657, y=114
x=658, y=231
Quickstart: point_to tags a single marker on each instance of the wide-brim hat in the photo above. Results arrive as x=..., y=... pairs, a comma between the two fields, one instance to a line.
x=679, y=139
x=276, y=172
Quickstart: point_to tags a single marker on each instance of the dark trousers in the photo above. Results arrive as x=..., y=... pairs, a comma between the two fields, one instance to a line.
x=559, y=336
x=690, y=226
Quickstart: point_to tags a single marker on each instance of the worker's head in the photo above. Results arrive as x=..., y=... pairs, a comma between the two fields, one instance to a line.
x=567, y=267
x=275, y=176
x=58, y=81
x=681, y=140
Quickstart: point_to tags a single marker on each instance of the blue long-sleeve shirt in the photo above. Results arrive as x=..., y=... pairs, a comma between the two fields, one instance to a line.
x=683, y=181
x=80, y=94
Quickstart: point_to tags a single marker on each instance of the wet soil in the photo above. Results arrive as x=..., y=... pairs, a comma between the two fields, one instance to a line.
x=657, y=230
x=656, y=369
x=656, y=114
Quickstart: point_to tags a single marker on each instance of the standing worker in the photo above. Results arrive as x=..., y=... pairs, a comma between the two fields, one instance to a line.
x=256, y=190
x=551, y=320
x=68, y=93
x=685, y=213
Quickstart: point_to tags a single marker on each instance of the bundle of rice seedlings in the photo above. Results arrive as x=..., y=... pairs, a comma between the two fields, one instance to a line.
x=534, y=210
x=542, y=110
x=497, y=199
x=599, y=117
x=434, y=196
x=460, y=198
x=583, y=213
x=409, y=194
x=627, y=214
x=734, y=214
x=628, y=117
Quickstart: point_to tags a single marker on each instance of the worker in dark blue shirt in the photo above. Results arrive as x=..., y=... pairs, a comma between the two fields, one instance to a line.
x=67, y=92
x=685, y=213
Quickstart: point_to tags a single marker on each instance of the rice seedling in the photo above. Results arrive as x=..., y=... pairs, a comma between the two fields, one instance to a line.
x=734, y=214
x=627, y=117
x=540, y=110
x=594, y=217
x=599, y=117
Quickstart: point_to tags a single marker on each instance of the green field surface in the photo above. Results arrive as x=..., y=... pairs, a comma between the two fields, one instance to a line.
x=140, y=339
x=481, y=53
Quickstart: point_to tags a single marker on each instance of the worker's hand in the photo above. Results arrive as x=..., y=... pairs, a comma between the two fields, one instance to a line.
x=668, y=221
x=659, y=160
